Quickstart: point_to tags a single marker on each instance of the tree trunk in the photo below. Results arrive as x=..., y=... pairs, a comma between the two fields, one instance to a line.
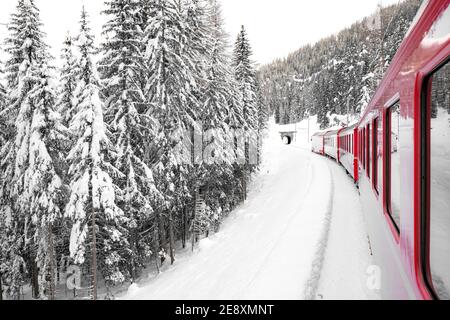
x=51, y=257
x=34, y=279
x=244, y=184
x=134, y=246
x=193, y=241
x=183, y=232
x=171, y=239
x=156, y=246
x=162, y=236
x=1, y=287
x=94, y=256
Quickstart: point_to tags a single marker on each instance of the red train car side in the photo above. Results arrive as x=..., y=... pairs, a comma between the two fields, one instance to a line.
x=401, y=160
x=348, y=150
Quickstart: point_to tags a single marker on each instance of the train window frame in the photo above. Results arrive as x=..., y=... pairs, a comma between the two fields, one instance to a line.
x=351, y=143
x=359, y=146
x=368, y=150
x=394, y=103
x=374, y=155
x=425, y=81
x=363, y=149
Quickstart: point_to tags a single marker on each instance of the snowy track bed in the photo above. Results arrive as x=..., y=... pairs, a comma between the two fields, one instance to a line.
x=347, y=256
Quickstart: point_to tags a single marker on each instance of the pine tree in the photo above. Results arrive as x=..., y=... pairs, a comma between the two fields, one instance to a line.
x=218, y=87
x=3, y=105
x=2, y=89
x=98, y=233
x=172, y=88
x=218, y=75
x=122, y=67
x=122, y=75
x=3, y=247
x=67, y=81
x=245, y=76
x=43, y=188
x=25, y=43
x=30, y=181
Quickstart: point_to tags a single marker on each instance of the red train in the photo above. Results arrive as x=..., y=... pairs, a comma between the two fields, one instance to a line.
x=399, y=155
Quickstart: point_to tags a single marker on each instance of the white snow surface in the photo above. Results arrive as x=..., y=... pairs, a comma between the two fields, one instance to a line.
x=300, y=235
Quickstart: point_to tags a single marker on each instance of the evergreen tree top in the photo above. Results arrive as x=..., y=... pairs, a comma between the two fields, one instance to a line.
x=25, y=40
x=85, y=43
x=241, y=57
x=86, y=37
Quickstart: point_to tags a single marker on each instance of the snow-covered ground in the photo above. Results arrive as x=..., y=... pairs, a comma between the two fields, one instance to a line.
x=300, y=235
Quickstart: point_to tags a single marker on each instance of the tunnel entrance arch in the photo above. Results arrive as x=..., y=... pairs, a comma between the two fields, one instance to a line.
x=288, y=137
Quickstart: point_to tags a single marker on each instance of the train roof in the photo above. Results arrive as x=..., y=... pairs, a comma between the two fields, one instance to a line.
x=350, y=128
x=332, y=132
x=319, y=134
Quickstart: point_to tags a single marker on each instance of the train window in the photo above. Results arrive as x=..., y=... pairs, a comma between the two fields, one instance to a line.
x=440, y=182
x=363, y=149
x=349, y=147
x=375, y=156
x=393, y=163
x=351, y=144
x=360, y=137
x=368, y=151
x=378, y=153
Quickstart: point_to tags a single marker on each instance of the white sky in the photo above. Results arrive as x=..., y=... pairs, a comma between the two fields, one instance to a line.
x=275, y=27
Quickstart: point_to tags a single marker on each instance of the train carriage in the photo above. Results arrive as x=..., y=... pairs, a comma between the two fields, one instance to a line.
x=331, y=144
x=318, y=143
x=402, y=152
x=348, y=150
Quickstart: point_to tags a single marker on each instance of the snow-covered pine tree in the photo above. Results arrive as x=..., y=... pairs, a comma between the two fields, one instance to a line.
x=121, y=71
x=43, y=182
x=245, y=77
x=3, y=104
x=2, y=88
x=67, y=81
x=172, y=88
x=145, y=14
x=3, y=247
x=99, y=237
x=25, y=32
x=217, y=88
x=263, y=108
x=122, y=66
x=29, y=179
x=11, y=262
